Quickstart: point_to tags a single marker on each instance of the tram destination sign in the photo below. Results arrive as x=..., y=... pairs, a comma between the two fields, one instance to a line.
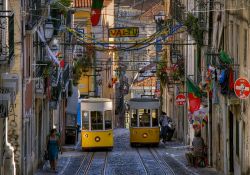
x=123, y=32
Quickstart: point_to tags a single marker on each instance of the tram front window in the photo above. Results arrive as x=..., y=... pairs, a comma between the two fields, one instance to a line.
x=134, y=118
x=108, y=119
x=144, y=116
x=96, y=120
x=85, y=120
x=155, y=117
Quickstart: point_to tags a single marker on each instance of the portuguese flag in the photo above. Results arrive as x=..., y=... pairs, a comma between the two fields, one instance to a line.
x=96, y=10
x=194, y=95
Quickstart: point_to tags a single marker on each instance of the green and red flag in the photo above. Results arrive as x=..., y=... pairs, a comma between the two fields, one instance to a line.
x=96, y=11
x=194, y=96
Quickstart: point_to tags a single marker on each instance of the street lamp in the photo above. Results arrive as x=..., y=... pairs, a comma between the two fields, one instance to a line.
x=159, y=19
x=48, y=30
x=175, y=56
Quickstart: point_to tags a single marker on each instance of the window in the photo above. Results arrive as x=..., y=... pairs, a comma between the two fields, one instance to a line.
x=155, y=117
x=85, y=120
x=134, y=118
x=96, y=120
x=237, y=139
x=245, y=48
x=144, y=117
x=108, y=119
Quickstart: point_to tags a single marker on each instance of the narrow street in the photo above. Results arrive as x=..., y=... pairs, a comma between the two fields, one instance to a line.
x=166, y=159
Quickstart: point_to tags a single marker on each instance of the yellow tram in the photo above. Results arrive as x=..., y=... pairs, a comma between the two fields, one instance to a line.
x=97, y=125
x=144, y=121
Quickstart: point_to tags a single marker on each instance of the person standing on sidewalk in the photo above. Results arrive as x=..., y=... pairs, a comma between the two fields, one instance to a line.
x=164, y=126
x=53, y=147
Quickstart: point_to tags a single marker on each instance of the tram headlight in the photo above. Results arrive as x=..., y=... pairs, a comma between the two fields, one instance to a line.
x=145, y=135
x=97, y=139
x=86, y=135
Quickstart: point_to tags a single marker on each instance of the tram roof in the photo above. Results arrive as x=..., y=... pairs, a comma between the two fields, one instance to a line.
x=96, y=100
x=144, y=100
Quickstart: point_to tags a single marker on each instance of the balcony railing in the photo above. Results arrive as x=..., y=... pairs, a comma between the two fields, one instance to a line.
x=7, y=36
x=65, y=75
x=34, y=13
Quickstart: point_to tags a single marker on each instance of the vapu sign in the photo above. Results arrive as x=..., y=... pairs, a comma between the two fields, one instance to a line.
x=123, y=32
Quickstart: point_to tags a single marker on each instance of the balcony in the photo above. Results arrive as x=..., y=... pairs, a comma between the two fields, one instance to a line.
x=177, y=10
x=34, y=13
x=6, y=37
x=65, y=76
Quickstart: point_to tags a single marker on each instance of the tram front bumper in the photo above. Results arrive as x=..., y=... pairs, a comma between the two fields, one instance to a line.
x=93, y=139
x=145, y=135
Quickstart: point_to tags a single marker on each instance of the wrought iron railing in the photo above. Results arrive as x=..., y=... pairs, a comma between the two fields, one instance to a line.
x=34, y=13
x=7, y=36
x=65, y=75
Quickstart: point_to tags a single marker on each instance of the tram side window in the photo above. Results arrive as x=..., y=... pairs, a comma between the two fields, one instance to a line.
x=144, y=116
x=155, y=117
x=96, y=120
x=108, y=119
x=85, y=120
x=134, y=118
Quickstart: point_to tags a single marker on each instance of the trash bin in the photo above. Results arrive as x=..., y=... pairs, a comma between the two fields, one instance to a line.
x=70, y=136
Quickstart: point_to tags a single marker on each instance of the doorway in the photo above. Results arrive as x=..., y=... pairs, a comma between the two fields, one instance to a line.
x=231, y=142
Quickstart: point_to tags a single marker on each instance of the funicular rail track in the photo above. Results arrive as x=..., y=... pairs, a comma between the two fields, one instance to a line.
x=162, y=163
x=92, y=159
x=153, y=163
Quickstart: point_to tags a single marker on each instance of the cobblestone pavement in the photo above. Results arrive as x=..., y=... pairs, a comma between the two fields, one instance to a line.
x=167, y=159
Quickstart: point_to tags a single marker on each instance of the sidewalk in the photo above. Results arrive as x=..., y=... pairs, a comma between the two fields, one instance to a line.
x=177, y=151
x=71, y=155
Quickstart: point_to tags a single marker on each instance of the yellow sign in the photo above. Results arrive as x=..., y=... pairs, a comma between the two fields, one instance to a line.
x=124, y=32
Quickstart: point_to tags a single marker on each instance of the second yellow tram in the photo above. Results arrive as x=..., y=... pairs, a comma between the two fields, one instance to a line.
x=144, y=121
x=97, y=125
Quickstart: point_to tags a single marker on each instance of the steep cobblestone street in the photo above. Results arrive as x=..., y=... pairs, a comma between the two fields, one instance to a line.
x=166, y=159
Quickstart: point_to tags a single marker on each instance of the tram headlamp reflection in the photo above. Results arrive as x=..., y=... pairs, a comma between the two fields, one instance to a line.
x=97, y=139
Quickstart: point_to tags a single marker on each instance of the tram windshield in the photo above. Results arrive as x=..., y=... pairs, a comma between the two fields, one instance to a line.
x=144, y=117
x=85, y=120
x=134, y=118
x=96, y=120
x=108, y=119
x=154, y=114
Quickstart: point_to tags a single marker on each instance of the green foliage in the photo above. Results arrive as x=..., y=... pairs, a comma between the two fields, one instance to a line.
x=60, y=6
x=161, y=73
x=80, y=67
x=194, y=28
x=45, y=68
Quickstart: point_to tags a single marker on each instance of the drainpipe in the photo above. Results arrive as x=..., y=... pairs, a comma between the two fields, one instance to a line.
x=22, y=83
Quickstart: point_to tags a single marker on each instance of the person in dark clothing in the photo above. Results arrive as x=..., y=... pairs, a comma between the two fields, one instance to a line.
x=164, y=126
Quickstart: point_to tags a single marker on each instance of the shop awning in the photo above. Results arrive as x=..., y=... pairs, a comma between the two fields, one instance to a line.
x=51, y=55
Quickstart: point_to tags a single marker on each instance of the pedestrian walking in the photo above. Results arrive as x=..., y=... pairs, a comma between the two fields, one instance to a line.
x=53, y=147
x=164, y=126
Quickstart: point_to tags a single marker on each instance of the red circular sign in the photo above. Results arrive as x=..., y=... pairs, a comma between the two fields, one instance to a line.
x=242, y=88
x=180, y=99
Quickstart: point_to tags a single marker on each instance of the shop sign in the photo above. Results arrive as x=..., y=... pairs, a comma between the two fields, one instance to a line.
x=180, y=99
x=242, y=88
x=123, y=32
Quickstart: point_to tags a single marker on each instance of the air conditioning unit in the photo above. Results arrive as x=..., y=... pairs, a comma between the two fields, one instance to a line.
x=10, y=81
